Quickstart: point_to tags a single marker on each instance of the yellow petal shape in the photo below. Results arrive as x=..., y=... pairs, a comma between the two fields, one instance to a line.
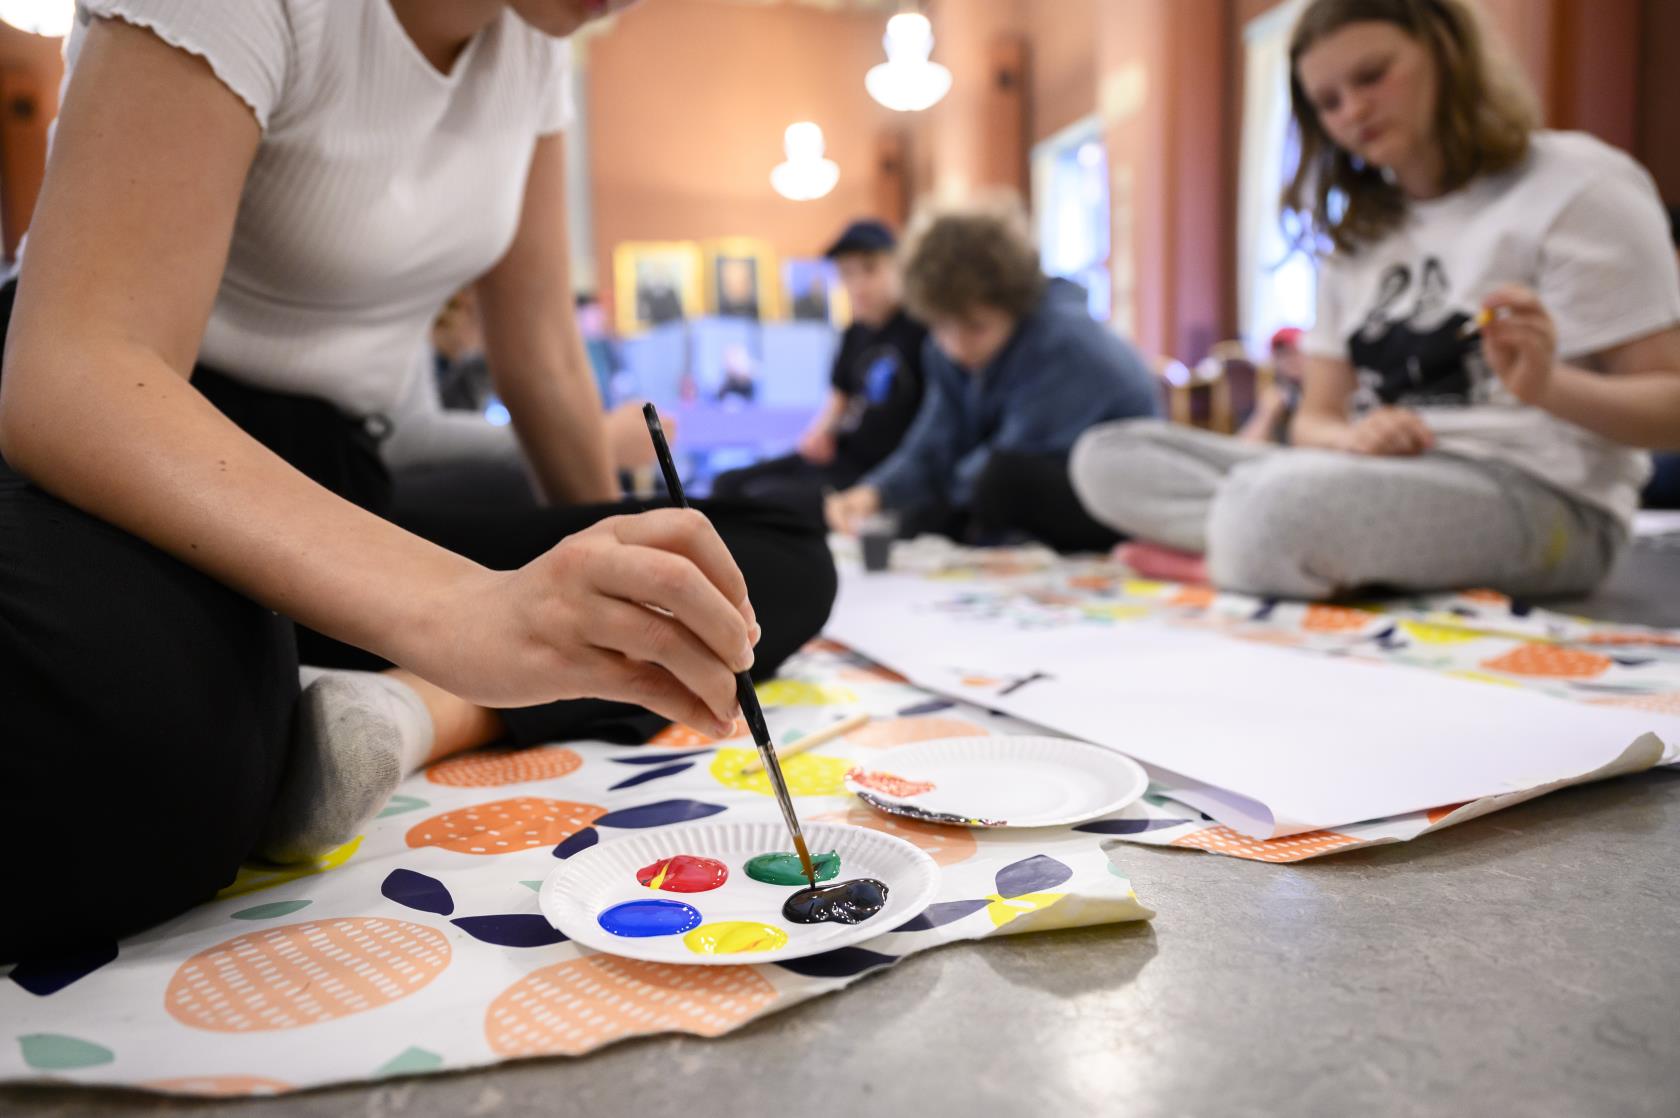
x=798, y=693
x=1004, y=909
x=251, y=878
x=807, y=774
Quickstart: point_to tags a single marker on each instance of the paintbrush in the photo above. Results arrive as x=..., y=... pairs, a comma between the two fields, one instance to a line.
x=750, y=709
x=1474, y=326
x=809, y=741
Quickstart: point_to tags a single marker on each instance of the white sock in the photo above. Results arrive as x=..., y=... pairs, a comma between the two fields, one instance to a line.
x=355, y=735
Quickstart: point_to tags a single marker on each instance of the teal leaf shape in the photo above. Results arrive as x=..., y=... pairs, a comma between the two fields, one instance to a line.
x=400, y=804
x=271, y=910
x=409, y=1061
x=55, y=1052
x=533, y=886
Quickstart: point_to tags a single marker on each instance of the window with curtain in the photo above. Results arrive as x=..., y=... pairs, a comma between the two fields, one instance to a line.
x=1070, y=188
x=1275, y=287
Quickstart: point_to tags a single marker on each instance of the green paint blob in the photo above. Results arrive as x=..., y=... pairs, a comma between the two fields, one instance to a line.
x=410, y=1060
x=269, y=911
x=52, y=1052
x=784, y=869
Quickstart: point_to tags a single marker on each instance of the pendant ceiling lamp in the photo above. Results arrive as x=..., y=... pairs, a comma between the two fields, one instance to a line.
x=805, y=174
x=51, y=18
x=907, y=81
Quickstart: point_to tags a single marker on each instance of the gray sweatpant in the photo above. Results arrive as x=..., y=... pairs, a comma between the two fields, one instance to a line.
x=1316, y=523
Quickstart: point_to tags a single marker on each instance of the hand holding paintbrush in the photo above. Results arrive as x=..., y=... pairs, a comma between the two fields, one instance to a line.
x=750, y=709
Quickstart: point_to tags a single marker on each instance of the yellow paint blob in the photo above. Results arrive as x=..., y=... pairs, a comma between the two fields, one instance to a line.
x=1116, y=612
x=798, y=693
x=807, y=774
x=734, y=937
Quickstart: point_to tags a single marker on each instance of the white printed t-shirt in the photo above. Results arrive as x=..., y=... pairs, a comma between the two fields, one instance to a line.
x=380, y=185
x=1577, y=221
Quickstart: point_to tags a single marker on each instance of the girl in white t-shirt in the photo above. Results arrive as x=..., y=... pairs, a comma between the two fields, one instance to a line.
x=1497, y=344
x=251, y=211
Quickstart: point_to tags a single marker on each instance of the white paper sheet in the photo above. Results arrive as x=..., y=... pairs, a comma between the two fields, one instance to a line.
x=1285, y=741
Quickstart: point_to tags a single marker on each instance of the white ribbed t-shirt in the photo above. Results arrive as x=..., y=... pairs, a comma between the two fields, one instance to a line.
x=379, y=186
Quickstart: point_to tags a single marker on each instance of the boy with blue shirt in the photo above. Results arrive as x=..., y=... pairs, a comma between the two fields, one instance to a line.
x=1016, y=370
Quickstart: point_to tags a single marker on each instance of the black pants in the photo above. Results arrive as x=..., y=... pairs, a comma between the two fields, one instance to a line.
x=145, y=708
x=1030, y=496
x=790, y=481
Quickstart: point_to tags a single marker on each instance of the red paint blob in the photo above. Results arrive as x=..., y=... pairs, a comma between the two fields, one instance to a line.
x=684, y=873
x=889, y=784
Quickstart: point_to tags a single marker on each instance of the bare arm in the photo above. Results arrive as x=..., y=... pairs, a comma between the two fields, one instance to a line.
x=1322, y=419
x=1629, y=394
x=127, y=249
x=536, y=352
x=125, y=254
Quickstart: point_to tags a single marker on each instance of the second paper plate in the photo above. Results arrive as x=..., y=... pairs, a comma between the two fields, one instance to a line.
x=999, y=781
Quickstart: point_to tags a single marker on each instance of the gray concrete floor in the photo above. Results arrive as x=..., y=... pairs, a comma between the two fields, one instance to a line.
x=1526, y=963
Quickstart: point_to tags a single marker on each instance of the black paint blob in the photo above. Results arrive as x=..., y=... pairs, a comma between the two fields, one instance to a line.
x=840, y=902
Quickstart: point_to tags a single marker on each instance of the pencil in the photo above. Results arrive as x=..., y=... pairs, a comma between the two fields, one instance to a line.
x=809, y=741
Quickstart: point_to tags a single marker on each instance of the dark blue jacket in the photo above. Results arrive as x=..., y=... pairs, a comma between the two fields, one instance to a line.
x=1060, y=373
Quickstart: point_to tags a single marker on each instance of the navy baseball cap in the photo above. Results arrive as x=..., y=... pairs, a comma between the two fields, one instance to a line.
x=867, y=235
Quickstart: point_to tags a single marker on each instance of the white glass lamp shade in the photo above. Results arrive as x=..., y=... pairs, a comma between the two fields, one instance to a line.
x=805, y=174
x=907, y=81
x=51, y=18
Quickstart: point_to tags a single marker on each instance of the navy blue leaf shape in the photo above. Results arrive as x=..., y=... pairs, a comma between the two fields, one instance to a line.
x=840, y=963
x=926, y=708
x=1031, y=875
x=657, y=757
x=659, y=814
x=1129, y=826
x=50, y=975
x=417, y=891
x=1633, y=661
x=515, y=929
x=652, y=774
x=938, y=915
x=583, y=840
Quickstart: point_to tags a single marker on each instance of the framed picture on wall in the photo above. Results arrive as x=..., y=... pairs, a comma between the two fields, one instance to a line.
x=741, y=279
x=812, y=292
x=655, y=282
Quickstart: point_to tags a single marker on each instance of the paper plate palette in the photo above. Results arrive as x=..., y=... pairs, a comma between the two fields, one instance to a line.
x=698, y=905
x=999, y=781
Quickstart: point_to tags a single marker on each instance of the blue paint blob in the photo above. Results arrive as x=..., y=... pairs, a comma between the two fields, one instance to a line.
x=641, y=919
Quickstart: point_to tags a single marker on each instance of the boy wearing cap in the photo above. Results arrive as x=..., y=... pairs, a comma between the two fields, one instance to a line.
x=877, y=385
x=1017, y=370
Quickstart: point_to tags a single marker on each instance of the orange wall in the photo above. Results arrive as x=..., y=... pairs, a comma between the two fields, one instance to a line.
x=1659, y=97
x=30, y=70
x=687, y=100
x=1062, y=64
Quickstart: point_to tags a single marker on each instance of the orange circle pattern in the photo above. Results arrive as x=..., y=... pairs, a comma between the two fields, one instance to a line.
x=1295, y=848
x=304, y=974
x=888, y=732
x=505, y=826
x=1550, y=661
x=492, y=767
x=1336, y=619
x=678, y=736
x=581, y=1004
x=945, y=845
